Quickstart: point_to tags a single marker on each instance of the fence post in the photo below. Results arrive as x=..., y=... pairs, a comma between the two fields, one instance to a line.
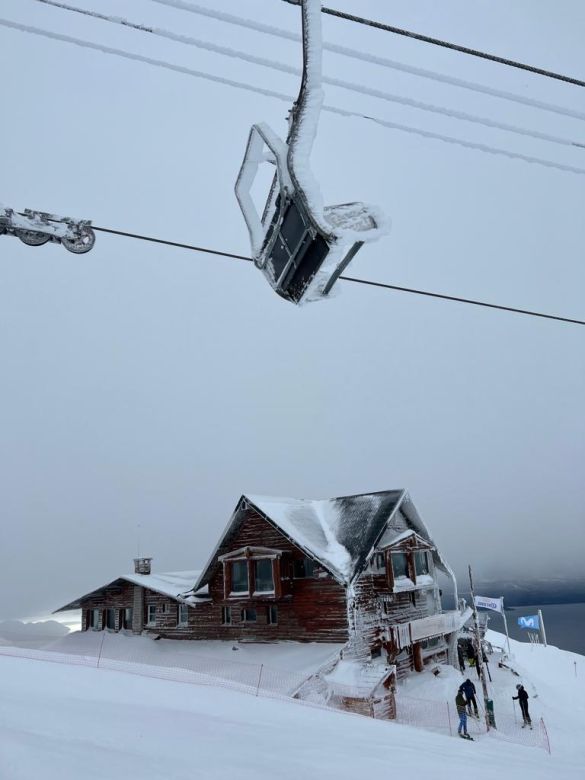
x=449, y=719
x=259, y=678
x=545, y=732
x=101, y=646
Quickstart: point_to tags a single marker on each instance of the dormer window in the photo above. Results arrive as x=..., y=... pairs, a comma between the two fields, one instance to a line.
x=409, y=559
x=239, y=577
x=251, y=571
x=264, y=576
x=421, y=562
x=400, y=565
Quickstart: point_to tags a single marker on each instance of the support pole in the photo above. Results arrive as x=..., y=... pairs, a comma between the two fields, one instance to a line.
x=488, y=703
x=541, y=624
x=506, y=626
x=259, y=679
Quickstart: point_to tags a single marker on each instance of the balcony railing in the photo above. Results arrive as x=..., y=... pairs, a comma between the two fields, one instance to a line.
x=424, y=628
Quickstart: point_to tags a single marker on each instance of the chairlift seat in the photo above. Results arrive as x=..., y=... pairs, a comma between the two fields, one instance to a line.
x=294, y=250
x=290, y=244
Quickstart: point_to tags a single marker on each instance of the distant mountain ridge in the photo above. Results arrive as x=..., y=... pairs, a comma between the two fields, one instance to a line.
x=552, y=590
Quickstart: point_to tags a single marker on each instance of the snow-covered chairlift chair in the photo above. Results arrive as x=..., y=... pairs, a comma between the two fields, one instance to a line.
x=301, y=247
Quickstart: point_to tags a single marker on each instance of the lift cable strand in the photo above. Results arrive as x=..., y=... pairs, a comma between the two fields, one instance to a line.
x=278, y=32
x=353, y=279
x=335, y=82
x=177, y=244
x=287, y=98
x=445, y=44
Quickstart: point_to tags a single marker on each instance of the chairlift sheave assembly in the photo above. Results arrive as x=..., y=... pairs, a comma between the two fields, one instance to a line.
x=36, y=228
x=301, y=246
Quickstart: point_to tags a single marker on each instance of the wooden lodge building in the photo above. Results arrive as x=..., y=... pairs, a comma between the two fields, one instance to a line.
x=359, y=570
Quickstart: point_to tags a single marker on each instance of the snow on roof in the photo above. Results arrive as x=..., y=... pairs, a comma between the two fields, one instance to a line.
x=175, y=584
x=170, y=583
x=339, y=532
x=390, y=536
x=356, y=679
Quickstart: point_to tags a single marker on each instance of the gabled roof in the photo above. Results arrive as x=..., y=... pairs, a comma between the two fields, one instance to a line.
x=175, y=584
x=339, y=533
x=390, y=537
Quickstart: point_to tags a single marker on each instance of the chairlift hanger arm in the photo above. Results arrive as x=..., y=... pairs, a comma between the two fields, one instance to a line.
x=301, y=246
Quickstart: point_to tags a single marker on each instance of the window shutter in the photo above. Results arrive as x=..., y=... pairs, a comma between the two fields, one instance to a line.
x=251, y=576
x=276, y=577
x=227, y=579
x=389, y=572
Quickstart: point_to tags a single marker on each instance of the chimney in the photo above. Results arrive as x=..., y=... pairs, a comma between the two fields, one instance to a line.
x=142, y=565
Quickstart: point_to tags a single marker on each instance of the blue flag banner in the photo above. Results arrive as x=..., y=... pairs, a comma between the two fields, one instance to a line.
x=530, y=621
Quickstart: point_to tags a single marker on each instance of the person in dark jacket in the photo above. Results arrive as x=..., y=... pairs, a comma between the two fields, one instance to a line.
x=522, y=699
x=468, y=689
x=461, y=659
x=461, y=705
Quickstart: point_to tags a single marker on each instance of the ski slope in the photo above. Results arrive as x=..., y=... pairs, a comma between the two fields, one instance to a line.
x=62, y=722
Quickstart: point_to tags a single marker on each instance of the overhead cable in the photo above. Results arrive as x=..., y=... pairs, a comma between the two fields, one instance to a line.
x=288, y=98
x=345, y=51
x=445, y=44
x=349, y=85
x=352, y=279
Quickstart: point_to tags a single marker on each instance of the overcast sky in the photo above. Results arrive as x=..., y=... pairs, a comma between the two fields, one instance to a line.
x=148, y=386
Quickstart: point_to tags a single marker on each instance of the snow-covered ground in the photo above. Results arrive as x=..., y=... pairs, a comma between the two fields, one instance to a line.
x=295, y=657
x=64, y=722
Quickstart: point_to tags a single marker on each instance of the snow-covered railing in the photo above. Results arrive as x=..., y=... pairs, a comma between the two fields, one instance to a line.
x=444, y=623
x=424, y=628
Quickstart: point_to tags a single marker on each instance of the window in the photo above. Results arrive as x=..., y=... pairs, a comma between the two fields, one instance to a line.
x=126, y=617
x=94, y=618
x=421, y=562
x=303, y=568
x=379, y=561
x=226, y=616
x=264, y=581
x=376, y=652
x=239, y=577
x=182, y=615
x=166, y=608
x=151, y=615
x=272, y=615
x=111, y=618
x=248, y=615
x=400, y=564
x=429, y=644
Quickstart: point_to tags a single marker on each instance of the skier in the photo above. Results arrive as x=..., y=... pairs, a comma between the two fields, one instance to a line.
x=468, y=689
x=522, y=699
x=461, y=705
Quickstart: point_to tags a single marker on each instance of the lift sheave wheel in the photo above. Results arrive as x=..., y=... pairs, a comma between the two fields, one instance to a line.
x=36, y=228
